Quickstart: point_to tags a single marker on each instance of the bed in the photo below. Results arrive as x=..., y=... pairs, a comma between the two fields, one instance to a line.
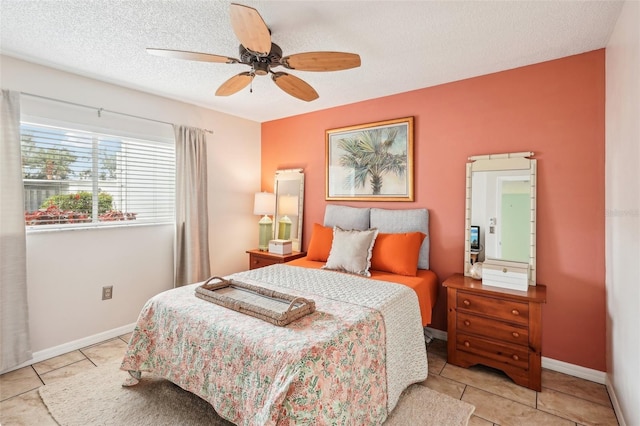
x=346, y=363
x=424, y=283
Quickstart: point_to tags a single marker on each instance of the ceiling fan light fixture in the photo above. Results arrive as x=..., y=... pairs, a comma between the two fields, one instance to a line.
x=260, y=68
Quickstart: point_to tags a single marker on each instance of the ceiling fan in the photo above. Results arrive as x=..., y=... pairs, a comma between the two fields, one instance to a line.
x=258, y=52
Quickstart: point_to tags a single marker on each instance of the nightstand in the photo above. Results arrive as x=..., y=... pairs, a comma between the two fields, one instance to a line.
x=260, y=259
x=496, y=327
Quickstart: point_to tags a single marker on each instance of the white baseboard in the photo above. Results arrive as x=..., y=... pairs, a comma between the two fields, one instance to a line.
x=74, y=345
x=614, y=401
x=437, y=334
x=550, y=364
x=574, y=370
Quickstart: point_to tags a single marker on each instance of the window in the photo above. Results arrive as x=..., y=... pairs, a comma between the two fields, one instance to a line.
x=77, y=177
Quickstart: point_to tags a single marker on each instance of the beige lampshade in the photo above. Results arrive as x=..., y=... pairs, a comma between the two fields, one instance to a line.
x=288, y=205
x=264, y=203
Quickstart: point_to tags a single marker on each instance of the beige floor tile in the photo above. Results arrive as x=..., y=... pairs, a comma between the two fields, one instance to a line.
x=110, y=351
x=479, y=421
x=491, y=380
x=444, y=385
x=576, y=409
x=67, y=371
x=436, y=363
x=25, y=410
x=58, y=362
x=576, y=386
x=17, y=382
x=507, y=412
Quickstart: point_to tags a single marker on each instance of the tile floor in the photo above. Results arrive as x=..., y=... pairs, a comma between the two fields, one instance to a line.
x=564, y=400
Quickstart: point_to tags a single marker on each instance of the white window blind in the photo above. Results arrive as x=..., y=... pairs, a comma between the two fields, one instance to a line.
x=76, y=177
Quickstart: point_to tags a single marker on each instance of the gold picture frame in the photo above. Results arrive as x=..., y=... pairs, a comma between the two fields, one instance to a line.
x=370, y=162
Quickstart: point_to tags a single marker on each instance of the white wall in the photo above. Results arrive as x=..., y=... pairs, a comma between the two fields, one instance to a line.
x=66, y=270
x=623, y=213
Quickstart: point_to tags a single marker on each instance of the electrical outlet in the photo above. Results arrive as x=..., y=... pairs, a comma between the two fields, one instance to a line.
x=107, y=292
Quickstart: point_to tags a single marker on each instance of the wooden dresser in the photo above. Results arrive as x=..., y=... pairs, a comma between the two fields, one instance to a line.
x=260, y=259
x=496, y=327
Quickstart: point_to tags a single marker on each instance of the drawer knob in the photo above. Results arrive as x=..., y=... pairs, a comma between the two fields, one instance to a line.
x=515, y=357
x=504, y=270
x=515, y=334
x=467, y=323
x=515, y=312
x=466, y=302
x=466, y=344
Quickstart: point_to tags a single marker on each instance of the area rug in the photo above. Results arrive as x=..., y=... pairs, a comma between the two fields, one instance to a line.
x=98, y=398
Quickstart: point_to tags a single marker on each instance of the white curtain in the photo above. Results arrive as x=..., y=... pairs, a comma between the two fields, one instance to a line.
x=14, y=314
x=192, y=217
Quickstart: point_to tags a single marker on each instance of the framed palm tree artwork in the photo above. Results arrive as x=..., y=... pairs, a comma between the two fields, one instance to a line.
x=370, y=162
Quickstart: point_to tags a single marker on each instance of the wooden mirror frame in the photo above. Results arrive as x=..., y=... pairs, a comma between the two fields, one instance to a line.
x=290, y=182
x=498, y=162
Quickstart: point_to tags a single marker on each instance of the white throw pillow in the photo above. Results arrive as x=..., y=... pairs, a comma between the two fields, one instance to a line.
x=351, y=251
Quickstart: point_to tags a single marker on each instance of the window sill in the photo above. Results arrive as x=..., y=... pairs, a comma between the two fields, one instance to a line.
x=41, y=229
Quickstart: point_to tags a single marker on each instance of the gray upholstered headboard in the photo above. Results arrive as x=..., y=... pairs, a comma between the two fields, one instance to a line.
x=386, y=220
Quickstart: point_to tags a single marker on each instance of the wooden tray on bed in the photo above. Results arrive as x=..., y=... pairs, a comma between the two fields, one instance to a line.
x=268, y=305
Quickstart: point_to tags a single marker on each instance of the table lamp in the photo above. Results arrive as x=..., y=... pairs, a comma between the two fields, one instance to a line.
x=287, y=205
x=264, y=204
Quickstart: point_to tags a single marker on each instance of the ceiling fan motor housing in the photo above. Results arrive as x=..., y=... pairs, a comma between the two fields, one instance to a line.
x=261, y=64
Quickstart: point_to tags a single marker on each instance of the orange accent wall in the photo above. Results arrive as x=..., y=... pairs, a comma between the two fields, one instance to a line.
x=555, y=109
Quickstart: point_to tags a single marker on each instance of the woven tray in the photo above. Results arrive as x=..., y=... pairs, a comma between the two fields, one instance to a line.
x=268, y=305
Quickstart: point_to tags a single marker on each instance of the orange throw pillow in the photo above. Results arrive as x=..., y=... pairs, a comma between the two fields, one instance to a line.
x=320, y=243
x=397, y=253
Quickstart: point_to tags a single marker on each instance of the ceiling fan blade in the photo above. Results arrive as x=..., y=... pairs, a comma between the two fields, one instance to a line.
x=234, y=84
x=250, y=29
x=294, y=86
x=321, y=61
x=192, y=56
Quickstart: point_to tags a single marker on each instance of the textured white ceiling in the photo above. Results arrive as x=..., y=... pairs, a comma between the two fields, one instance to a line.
x=404, y=45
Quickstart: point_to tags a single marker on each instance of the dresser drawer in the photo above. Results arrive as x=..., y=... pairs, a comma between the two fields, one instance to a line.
x=507, y=310
x=260, y=259
x=260, y=262
x=517, y=356
x=495, y=329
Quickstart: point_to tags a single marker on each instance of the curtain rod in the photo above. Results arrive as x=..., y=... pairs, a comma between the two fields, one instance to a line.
x=101, y=110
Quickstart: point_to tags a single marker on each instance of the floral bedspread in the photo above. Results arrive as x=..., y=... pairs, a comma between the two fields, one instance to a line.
x=329, y=367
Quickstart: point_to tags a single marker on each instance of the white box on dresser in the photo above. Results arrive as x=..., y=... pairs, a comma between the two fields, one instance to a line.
x=505, y=274
x=280, y=246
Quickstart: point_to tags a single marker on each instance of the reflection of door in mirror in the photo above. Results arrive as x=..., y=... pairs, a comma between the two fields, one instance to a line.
x=513, y=217
x=289, y=190
x=501, y=207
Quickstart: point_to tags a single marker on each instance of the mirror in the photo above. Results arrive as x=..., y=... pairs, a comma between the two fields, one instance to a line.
x=289, y=190
x=500, y=215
